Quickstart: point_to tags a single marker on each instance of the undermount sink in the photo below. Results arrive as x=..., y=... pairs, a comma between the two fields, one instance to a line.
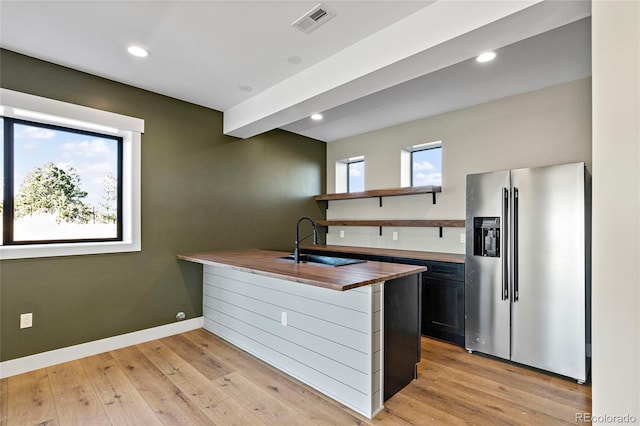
x=323, y=260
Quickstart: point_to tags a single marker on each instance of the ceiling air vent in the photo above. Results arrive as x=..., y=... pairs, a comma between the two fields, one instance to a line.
x=314, y=18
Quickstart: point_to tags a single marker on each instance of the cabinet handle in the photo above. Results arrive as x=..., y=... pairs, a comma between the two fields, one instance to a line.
x=503, y=243
x=516, y=293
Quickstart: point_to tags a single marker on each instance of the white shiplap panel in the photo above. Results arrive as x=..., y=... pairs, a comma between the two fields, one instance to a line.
x=376, y=302
x=377, y=333
x=377, y=340
x=377, y=321
x=338, y=333
x=358, y=340
x=376, y=378
x=356, y=360
x=349, y=376
x=357, y=300
x=377, y=360
x=332, y=312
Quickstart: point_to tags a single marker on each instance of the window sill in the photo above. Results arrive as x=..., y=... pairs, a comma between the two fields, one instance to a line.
x=66, y=249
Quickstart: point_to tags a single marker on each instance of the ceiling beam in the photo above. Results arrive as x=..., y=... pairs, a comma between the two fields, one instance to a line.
x=379, y=61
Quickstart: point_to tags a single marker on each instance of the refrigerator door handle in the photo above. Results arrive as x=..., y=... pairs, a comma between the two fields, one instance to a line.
x=504, y=237
x=516, y=294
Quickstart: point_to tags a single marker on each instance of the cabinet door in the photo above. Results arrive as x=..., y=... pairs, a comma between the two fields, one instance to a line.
x=401, y=332
x=443, y=309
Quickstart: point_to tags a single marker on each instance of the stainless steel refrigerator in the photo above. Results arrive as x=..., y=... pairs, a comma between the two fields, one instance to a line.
x=527, y=279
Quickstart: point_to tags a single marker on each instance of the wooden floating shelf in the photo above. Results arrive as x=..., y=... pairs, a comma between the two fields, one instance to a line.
x=379, y=193
x=395, y=222
x=446, y=223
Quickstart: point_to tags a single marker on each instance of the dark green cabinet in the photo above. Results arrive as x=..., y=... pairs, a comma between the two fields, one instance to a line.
x=401, y=332
x=443, y=301
x=442, y=312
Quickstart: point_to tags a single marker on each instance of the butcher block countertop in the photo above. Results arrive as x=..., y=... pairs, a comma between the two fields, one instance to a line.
x=267, y=262
x=407, y=254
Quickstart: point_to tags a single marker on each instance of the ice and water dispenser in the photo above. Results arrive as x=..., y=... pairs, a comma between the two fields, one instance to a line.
x=486, y=236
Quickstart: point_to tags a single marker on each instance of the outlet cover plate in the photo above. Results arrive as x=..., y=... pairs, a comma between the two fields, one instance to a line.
x=26, y=320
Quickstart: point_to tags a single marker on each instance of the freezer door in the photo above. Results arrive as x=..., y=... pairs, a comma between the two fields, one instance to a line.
x=486, y=297
x=548, y=311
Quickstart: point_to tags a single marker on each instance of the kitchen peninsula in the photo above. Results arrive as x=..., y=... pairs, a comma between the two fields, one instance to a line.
x=324, y=325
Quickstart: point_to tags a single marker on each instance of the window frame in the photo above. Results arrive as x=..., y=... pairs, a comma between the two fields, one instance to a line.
x=419, y=148
x=8, y=212
x=44, y=111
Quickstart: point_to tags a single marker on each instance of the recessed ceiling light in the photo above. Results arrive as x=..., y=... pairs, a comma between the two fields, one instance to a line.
x=316, y=117
x=138, y=51
x=486, y=57
x=245, y=88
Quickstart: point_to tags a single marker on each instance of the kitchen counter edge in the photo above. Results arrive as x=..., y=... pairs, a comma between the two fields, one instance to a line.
x=341, y=278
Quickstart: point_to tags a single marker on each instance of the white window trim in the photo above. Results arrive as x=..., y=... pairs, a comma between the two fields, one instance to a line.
x=406, y=157
x=341, y=172
x=84, y=118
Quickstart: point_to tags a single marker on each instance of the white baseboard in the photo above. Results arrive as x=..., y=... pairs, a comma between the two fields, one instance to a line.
x=71, y=353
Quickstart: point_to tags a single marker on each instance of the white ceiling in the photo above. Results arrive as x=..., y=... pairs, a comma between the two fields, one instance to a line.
x=377, y=63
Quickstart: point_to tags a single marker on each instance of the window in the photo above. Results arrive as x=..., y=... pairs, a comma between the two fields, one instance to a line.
x=350, y=174
x=71, y=179
x=355, y=176
x=426, y=164
x=62, y=184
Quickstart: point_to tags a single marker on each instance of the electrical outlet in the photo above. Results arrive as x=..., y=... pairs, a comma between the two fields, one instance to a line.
x=463, y=238
x=283, y=318
x=26, y=320
x=342, y=233
x=395, y=235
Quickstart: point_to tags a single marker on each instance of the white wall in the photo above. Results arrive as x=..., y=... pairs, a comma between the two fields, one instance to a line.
x=543, y=127
x=616, y=209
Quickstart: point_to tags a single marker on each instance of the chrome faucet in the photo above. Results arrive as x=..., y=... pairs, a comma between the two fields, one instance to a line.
x=296, y=252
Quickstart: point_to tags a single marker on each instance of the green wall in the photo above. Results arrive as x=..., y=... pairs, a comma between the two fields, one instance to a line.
x=201, y=191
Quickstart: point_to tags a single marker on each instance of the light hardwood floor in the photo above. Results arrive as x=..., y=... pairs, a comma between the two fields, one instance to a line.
x=196, y=378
